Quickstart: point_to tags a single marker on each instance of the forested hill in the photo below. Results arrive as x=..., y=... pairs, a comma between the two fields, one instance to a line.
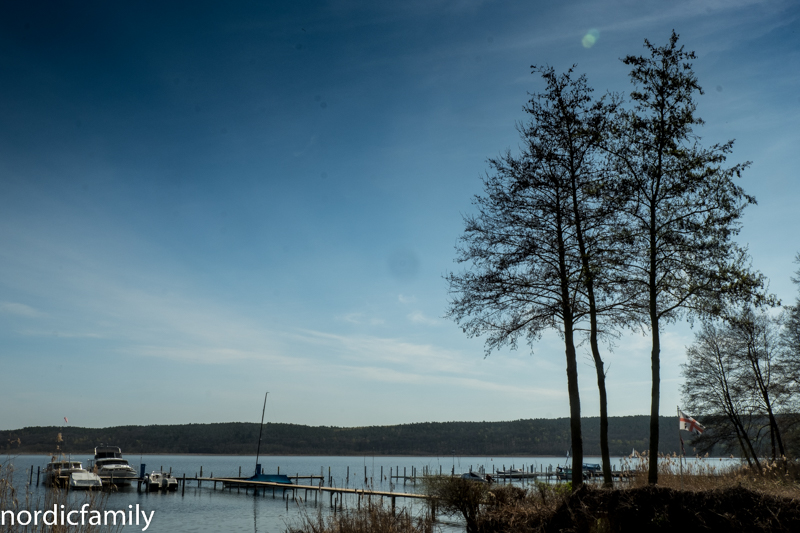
x=520, y=437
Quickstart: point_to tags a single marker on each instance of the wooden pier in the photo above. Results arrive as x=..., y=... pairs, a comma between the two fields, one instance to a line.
x=315, y=490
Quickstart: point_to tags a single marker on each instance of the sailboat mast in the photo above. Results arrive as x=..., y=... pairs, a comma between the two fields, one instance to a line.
x=260, y=431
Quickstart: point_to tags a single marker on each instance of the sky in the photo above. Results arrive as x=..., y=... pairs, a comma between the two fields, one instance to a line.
x=203, y=201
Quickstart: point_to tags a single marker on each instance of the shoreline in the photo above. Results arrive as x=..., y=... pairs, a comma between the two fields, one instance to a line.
x=516, y=456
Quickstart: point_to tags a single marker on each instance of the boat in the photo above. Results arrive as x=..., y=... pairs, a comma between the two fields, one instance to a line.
x=270, y=478
x=512, y=473
x=110, y=466
x=474, y=476
x=164, y=481
x=58, y=470
x=259, y=475
x=593, y=468
x=564, y=473
x=85, y=480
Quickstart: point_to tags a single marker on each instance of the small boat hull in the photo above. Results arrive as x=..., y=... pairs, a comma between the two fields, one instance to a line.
x=160, y=481
x=85, y=481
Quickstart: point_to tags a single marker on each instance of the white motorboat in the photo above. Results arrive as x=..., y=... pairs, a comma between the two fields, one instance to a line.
x=85, y=480
x=474, y=476
x=58, y=470
x=111, y=467
x=164, y=481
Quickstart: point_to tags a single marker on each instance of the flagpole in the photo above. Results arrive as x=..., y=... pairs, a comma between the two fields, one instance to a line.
x=680, y=439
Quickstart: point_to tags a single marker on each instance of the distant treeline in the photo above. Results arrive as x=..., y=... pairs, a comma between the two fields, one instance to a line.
x=519, y=437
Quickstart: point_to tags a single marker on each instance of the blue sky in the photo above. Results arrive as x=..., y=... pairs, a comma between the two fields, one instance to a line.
x=201, y=202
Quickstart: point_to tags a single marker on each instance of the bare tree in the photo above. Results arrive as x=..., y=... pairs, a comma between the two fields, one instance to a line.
x=682, y=204
x=790, y=337
x=579, y=125
x=734, y=369
x=533, y=246
x=711, y=376
x=755, y=338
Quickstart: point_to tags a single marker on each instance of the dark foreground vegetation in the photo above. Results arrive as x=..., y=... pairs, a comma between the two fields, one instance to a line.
x=656, y=509
x=705, y=501
x=519, y=437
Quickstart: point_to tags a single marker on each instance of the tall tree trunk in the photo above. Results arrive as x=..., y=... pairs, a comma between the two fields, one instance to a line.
x=572, y=360
x=655, y=355
x=741, y=445
x=574, y=407
x=601, y=386
x=588, y=281
x=774, y=432
x=652, y=474
x=740, y=425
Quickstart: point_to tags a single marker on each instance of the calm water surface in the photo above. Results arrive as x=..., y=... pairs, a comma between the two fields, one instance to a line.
x=206, y=510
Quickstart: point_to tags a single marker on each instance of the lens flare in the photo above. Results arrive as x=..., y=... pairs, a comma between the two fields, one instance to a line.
x=590, y=38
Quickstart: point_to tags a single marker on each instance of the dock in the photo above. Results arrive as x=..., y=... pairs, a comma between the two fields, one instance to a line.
x=315, y=490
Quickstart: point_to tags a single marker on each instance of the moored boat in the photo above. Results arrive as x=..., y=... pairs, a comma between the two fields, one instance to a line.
x=259, y=475
x=163, y=481
x=511, y=473
x=85, y=480
x=564, y=473
x=111, y=467
x=59, y=470
x=474, y=476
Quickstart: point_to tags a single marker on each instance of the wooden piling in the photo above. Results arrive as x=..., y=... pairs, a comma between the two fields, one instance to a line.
x=183, y=490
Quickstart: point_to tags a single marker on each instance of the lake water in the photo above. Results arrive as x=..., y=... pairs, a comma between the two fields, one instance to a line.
x=206, y=510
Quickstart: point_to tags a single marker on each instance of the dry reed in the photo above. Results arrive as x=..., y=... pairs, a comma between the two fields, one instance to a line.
x=777, y=478
x=372, y=518
x=17, y=498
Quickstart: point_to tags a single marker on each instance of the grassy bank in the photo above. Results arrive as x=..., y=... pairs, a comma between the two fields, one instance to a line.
x=703, y=499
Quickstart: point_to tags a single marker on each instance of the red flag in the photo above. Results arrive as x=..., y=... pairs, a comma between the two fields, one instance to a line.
x=689, y=424
x=65, y=420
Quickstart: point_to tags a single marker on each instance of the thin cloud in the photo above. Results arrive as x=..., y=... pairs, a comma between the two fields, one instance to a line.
x=359, y=318
x=61, y=334
x=373, y=373
x=200, y=354
x=418, y=317
x=14, y=308
x=424, y=358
